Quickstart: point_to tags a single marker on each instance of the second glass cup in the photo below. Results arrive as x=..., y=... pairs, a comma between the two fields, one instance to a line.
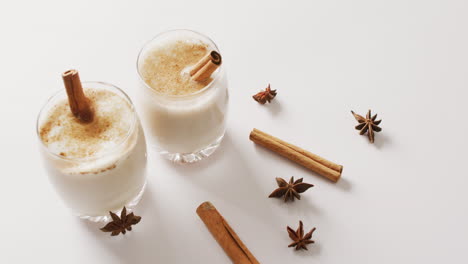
x=186, y=118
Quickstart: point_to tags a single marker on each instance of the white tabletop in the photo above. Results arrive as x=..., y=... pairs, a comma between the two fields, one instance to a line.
x=400, y=200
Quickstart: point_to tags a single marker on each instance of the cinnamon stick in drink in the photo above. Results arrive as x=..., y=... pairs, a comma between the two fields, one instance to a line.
x=225, y=235
x=305, y=158
x=79, y=103
x=206, y=66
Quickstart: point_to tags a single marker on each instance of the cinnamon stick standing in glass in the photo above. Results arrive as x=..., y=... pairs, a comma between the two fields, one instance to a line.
x=79, y=103
x=206, y=66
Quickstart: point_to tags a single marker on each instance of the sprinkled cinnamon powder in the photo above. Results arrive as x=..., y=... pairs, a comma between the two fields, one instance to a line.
x=64, y=135
x=166, y=67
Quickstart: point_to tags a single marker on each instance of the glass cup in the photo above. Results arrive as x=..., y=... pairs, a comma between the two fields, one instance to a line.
x=185, y=128
x=96, y=184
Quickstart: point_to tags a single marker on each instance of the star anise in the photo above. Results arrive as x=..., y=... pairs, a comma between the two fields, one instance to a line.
x=367, y=124
x=300, y=240
x=291, y=189
x=265, y=96
x=121, y=224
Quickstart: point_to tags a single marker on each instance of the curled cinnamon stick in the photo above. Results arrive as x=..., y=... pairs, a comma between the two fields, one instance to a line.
x=225, y=235
x=206, y=66
x=304, y=152
x=305, y=158
x=79, y=103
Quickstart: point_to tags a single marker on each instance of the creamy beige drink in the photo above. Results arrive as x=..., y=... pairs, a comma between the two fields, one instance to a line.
x=96, y=167
x=185, y=117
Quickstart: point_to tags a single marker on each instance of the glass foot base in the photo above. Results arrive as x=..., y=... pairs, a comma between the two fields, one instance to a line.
x=106, y=218
x=195, y=156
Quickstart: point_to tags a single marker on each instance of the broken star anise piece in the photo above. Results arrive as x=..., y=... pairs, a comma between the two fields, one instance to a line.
x=265, y=96
x=291, y=189
x=367, y=124
x=300, y=240
x=121, y=224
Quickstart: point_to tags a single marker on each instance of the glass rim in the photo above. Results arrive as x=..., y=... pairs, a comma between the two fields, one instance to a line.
x=89, y=157
x=183, y=96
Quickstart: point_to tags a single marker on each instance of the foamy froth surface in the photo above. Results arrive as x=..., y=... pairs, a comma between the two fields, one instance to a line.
x=166, y=66
x=64, y=135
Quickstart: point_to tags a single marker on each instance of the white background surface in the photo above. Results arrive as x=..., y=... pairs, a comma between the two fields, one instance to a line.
x=401, y=200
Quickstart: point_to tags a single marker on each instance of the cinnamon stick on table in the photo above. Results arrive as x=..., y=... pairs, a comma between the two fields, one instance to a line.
x=225, y=235
x=319, y=165
x=79, y=103
x=206, y=66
